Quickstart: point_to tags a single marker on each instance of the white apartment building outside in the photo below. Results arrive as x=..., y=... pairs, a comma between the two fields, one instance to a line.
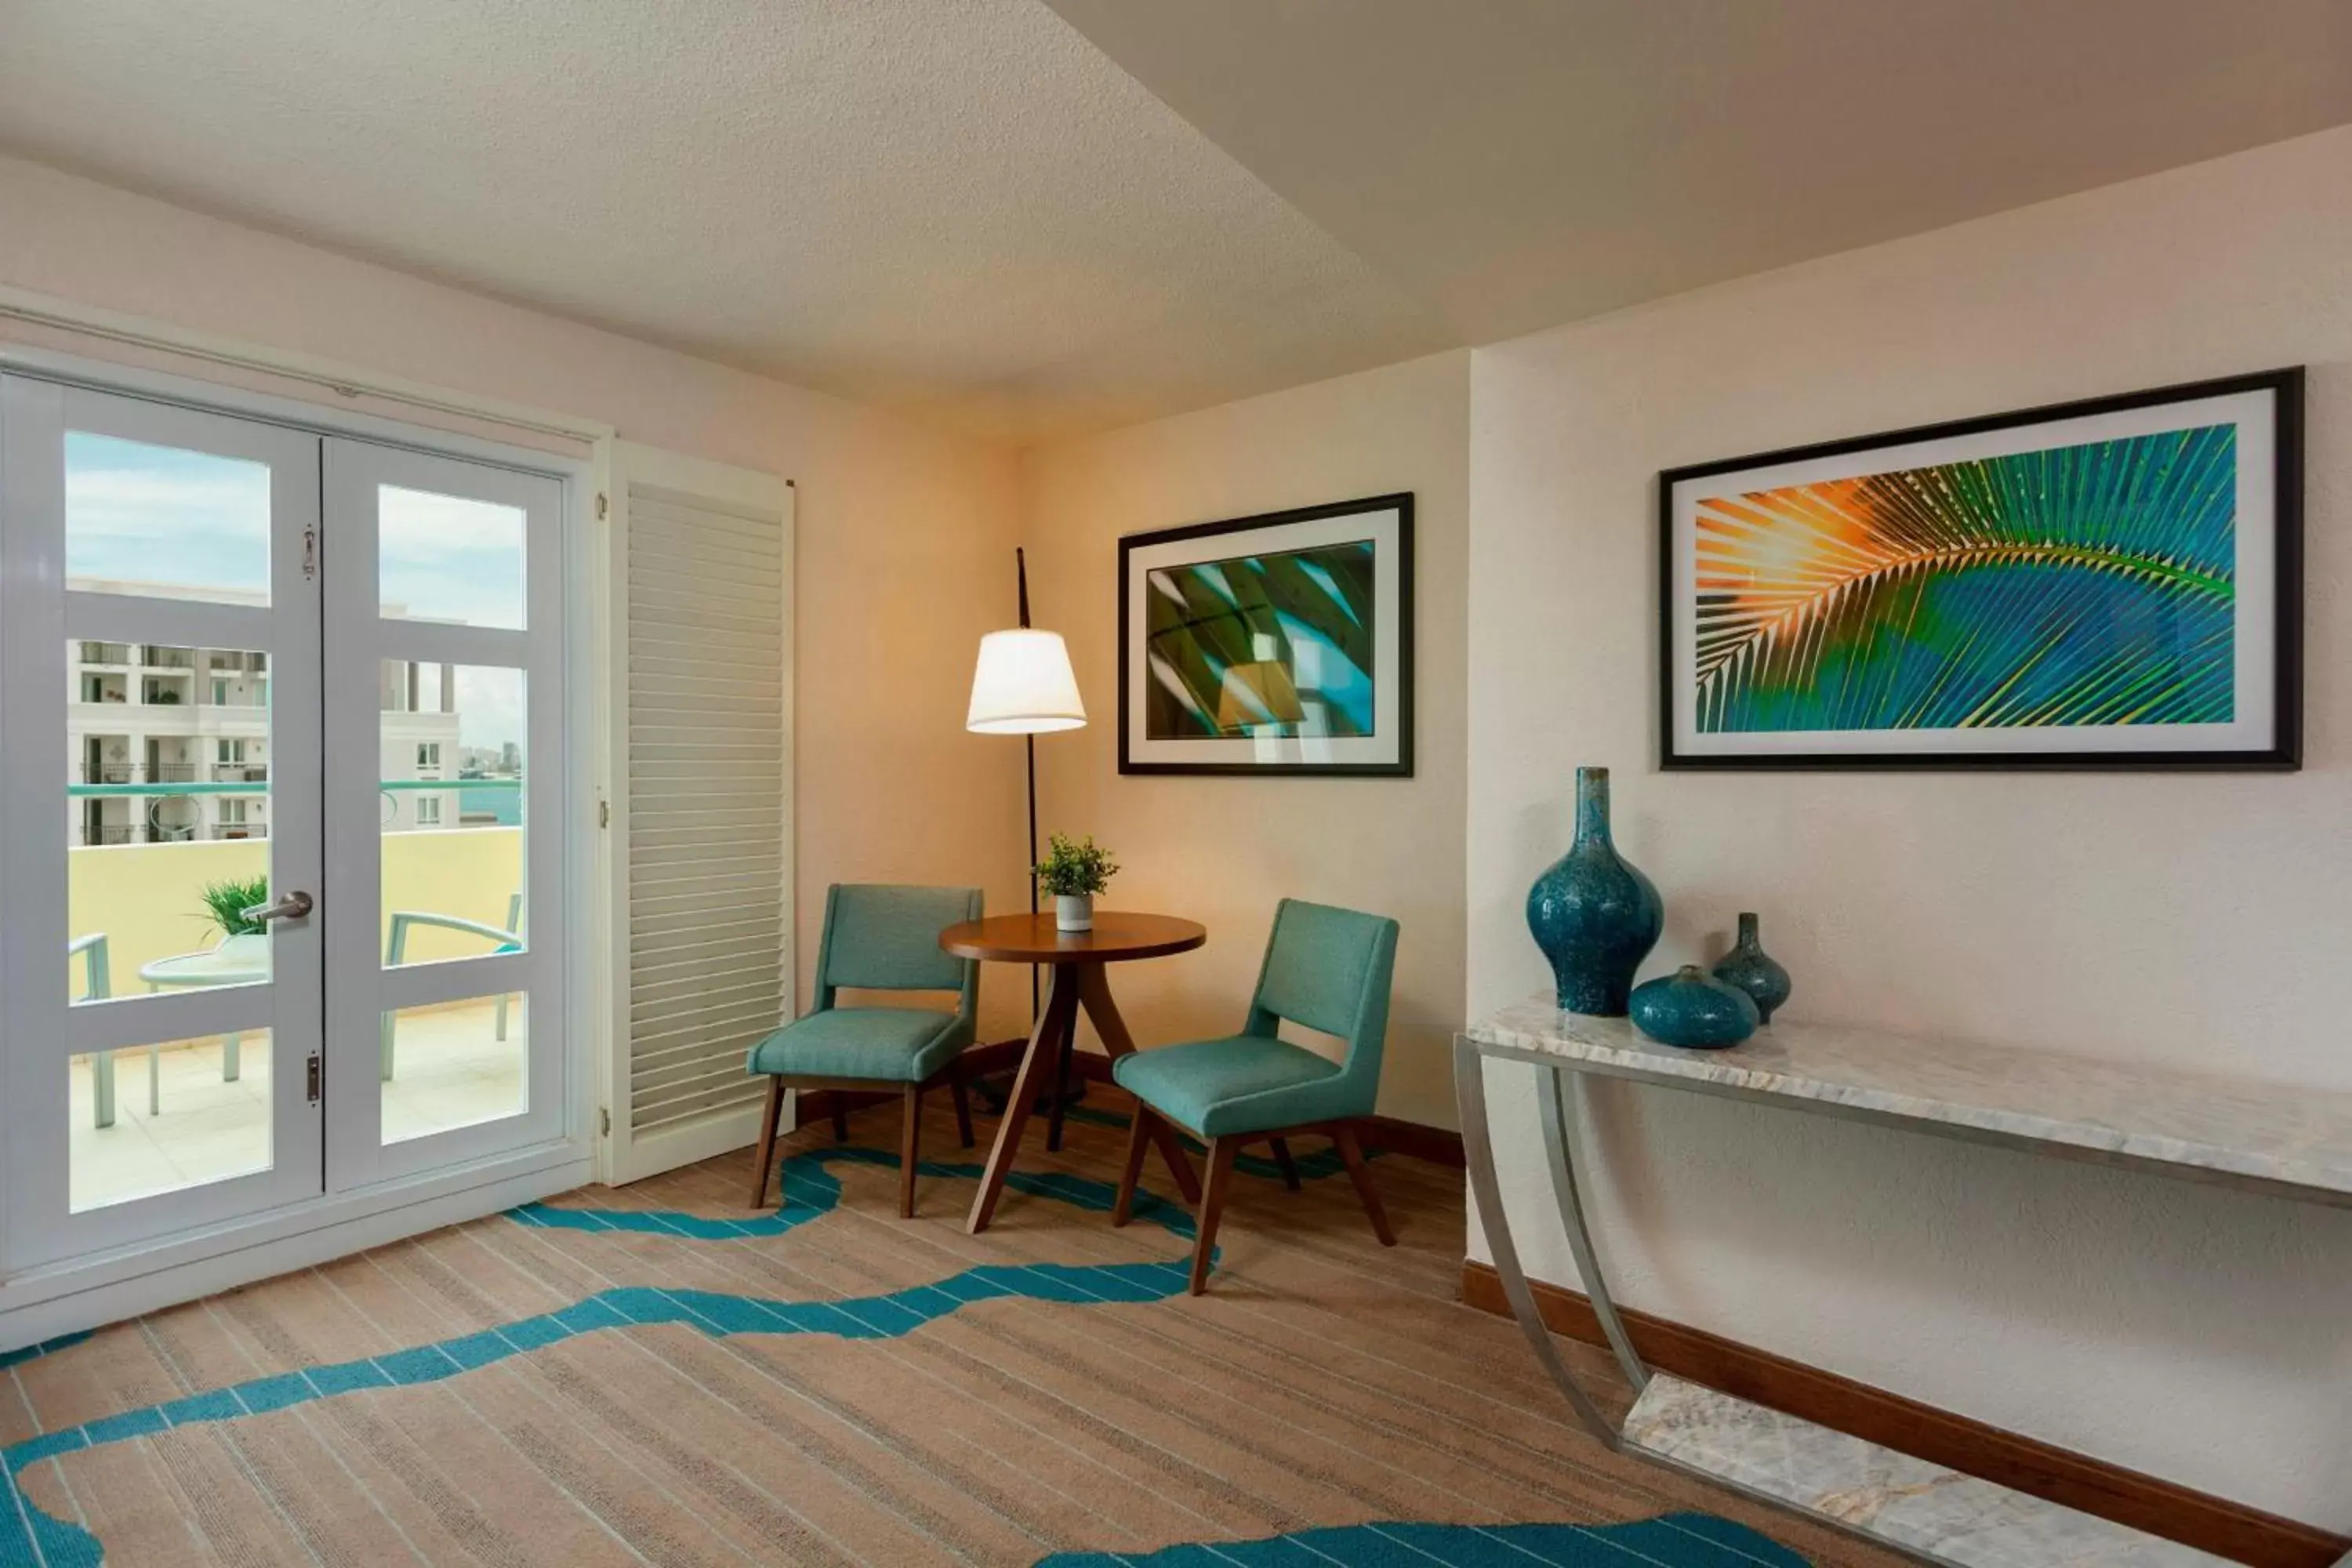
x=146, y=714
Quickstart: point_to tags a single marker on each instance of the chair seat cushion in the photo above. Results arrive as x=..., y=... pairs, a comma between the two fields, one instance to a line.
x=888, y=1045
x=1242, y=1084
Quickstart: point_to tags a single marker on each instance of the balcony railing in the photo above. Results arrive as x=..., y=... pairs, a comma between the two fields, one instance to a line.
x=131, y=774
x=105, y=653
x=240, y=773
x=155, y=657
x=238, y=830
x=113, y=832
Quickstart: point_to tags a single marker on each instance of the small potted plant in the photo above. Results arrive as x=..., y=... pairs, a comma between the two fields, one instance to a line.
x=1073, y=873
x=225, y=906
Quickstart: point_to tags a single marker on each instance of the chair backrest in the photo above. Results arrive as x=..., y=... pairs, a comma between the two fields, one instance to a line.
x=886, y=938
x=98, y=984
x=1329, y=969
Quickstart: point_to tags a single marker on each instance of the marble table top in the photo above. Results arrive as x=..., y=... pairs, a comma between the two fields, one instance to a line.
x=2209, y=1124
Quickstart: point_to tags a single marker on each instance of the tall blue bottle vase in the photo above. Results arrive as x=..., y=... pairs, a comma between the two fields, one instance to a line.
x=1594, y=915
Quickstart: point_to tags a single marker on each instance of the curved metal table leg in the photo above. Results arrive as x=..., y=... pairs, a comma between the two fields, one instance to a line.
x=1568, y=1183
x=1477, y=1145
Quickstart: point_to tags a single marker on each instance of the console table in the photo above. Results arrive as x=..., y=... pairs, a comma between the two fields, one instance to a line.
x=2291, y=1143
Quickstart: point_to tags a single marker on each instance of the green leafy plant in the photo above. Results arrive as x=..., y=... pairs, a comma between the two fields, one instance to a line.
x=225, y=904
x=1072, y=870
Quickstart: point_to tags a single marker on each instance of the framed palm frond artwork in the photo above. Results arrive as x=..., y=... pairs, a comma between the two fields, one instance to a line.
x=2112, y=584
x=1280, y=644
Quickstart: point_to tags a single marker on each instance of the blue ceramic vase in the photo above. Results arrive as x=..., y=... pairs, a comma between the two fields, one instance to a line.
x=1595, y=917
x=1692, y=1009
x=1748, y=966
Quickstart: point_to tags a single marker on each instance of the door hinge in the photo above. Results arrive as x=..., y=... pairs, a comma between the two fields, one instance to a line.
x=603, y=506
x=314, y=1078
x=604, y=814
x=605, y=1115
x=310, y=553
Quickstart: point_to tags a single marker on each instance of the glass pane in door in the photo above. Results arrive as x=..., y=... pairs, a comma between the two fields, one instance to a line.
x=453, y=559
x=163, y=1118
x=165, y=521
x=450, y=807
x=454, y=1065
x=167, y=818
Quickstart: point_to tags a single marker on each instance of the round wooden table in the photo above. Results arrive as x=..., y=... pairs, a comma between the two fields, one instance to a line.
x=1076, y=959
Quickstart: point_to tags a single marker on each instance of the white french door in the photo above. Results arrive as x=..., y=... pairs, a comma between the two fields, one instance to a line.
x=281, y=823
x=141, y=546
x=444, y=831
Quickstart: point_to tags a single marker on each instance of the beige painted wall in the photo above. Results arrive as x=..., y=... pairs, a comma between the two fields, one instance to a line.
x=2195, y=921
x=1223, y=850
x=903, y=532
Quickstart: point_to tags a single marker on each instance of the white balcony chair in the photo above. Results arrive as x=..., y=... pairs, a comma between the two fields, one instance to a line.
x=509, y=940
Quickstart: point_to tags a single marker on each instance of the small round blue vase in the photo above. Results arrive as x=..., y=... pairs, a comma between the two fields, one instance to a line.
x=1692, y=1009
x=1754, y=970
x=1593, y=914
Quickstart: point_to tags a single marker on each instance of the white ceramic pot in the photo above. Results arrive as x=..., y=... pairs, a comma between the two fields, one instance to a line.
x=1073, y=912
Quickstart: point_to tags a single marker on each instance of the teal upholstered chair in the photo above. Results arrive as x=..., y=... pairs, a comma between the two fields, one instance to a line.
x=877, y=939
x=1326, y=969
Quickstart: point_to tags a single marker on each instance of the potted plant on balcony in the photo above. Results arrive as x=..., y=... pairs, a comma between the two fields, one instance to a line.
x=225, y=905
x=1073, y=873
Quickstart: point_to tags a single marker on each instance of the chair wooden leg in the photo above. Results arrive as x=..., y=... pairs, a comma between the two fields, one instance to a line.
x=1212, y=1209
x=1344, y=1136
x=910, y=1138
x=767, y=1159
x=1289, y=1166
x=1139, y=1138
x=840, y=1104
x=959, y=1087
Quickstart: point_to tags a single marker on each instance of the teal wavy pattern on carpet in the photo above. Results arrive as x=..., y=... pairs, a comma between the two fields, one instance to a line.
x=29, y=1537
x=1669, y=1540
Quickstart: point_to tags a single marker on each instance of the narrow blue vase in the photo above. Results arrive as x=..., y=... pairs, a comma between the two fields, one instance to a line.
x=1692, y=1009
x=1595, y=917
x=1754, y=970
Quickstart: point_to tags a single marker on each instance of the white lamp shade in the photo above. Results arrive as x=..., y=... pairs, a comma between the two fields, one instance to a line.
x=1024, y=685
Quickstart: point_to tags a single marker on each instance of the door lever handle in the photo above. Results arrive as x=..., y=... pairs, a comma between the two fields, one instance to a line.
x=292, y=907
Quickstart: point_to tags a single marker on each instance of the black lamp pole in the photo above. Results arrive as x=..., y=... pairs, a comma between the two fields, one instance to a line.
x=1029, y=746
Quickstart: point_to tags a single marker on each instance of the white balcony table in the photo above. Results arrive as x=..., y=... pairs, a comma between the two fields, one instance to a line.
x=2281, y=1140
x=237, y=961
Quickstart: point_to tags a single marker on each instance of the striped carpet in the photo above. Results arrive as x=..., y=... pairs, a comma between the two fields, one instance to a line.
x=659, y=1375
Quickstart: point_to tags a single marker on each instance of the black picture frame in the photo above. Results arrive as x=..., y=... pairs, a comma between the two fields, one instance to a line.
x=1401, y=766
x=2284, y=750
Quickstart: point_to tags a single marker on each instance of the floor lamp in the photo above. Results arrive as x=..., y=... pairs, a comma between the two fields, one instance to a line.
x=1023, y=685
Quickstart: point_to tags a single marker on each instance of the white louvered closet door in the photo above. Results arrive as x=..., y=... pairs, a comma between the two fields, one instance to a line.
x=705, y=811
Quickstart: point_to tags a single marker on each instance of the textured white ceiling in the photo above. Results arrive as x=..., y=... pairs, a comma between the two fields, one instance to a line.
x=1519, y=164
x=956, y=206
x=965, y=208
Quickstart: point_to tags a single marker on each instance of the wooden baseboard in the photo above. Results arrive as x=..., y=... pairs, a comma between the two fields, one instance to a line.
x=1438, y=1145
x=2022, y=1464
